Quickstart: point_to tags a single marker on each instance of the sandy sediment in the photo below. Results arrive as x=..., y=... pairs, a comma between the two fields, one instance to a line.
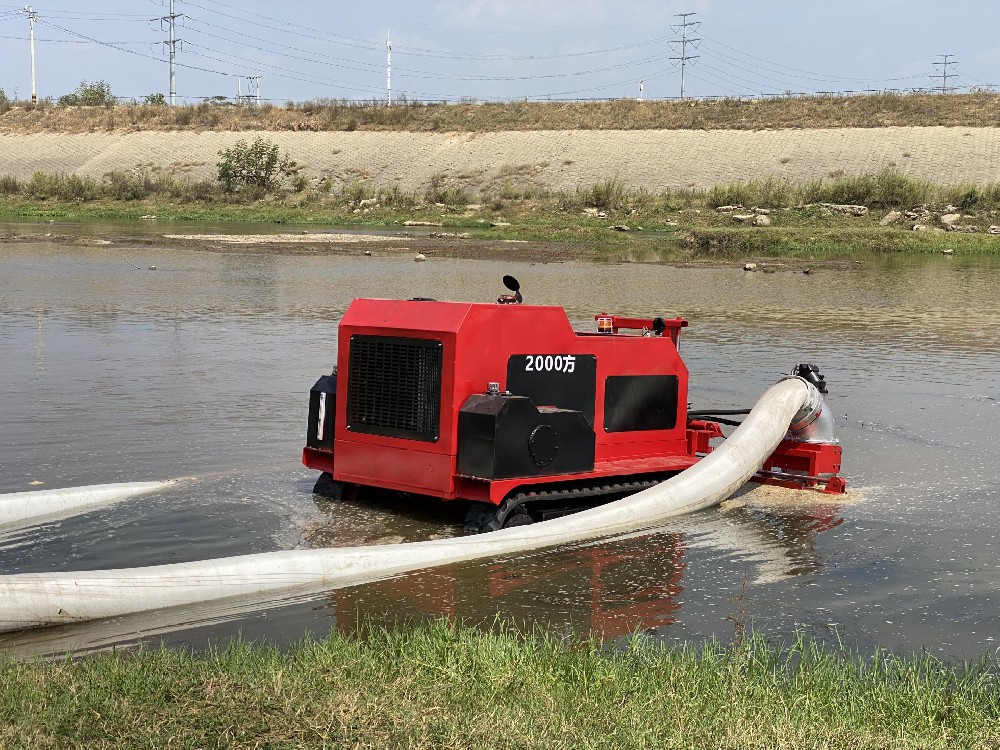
x=339, y=238
x=656, y=160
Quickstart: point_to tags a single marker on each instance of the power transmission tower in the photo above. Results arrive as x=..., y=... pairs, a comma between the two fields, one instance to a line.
x=172, y=43
x=253, y=89
x=944, y=75
x=30, y=13
x=684, y=41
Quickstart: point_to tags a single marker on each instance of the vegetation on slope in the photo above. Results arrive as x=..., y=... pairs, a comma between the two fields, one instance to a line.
x=868, y=111
x=761, y=217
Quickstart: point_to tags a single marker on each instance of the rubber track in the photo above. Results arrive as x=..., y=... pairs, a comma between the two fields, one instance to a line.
x=564, y=494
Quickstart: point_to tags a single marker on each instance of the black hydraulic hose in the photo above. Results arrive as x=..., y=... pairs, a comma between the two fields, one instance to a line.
x=720, y=420
x=713, y=412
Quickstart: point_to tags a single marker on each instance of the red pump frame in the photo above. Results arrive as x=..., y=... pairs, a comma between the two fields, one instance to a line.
x=477, y=341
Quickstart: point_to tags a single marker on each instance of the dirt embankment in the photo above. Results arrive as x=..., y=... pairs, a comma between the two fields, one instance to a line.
x=654, y=160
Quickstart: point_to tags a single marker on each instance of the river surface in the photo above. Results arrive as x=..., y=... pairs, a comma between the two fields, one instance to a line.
x=202, y=368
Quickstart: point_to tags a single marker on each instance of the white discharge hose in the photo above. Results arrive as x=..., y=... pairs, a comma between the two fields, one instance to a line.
x=20, y=508
x=34, y=599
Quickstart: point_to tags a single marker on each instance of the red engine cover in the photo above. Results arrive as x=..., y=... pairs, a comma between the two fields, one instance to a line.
x=379, y=442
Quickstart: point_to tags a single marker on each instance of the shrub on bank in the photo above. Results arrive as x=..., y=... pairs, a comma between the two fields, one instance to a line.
x=888, y=188
x=252, y=166
x=89, y=94
x=771, y=192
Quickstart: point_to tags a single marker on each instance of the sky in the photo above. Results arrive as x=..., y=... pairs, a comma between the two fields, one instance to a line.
x=487, y=50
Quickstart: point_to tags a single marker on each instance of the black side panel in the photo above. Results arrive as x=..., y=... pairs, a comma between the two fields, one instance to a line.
x=394, y=387
x=640, y=402
x=322, y=412
x=566, y=381
x=501, y=437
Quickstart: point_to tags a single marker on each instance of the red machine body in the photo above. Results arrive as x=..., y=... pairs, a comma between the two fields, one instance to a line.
x=481, y=402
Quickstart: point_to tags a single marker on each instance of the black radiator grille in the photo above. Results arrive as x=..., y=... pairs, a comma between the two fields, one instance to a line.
x=394, y=387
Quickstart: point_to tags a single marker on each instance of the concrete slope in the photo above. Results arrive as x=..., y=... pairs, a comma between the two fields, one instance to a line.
x=564, y=159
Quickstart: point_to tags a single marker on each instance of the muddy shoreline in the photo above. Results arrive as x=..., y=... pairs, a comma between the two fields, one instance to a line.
x=465, y=248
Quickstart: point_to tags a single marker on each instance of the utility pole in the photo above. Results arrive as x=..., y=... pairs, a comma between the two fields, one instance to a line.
x=172, y=43
x=943, y=75
x=640, y=90
x=684, y=41
x=388, y=69
x=30, y=13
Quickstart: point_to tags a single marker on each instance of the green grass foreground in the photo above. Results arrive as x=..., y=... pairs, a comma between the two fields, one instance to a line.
x=444, y=686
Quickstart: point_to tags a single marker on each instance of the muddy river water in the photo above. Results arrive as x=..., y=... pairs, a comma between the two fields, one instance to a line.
x=202, y=368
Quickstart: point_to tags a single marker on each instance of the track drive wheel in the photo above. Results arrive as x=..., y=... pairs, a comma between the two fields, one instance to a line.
x=331, y=489
x=483, y=517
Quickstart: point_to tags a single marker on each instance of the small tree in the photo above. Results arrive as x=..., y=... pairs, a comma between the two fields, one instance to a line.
x=4, y=102
x=95, y=94
x=251, y=165
x=158, y=100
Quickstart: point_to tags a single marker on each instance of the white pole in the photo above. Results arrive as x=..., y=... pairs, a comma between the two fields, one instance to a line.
x=173, y=50
x=388, y=69
x=31, y=34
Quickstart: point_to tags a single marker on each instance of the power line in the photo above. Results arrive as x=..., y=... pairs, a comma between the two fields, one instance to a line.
x=322, y=59
x=114, y=46
x=296, y=30
x=49, y=40
x=803, y=74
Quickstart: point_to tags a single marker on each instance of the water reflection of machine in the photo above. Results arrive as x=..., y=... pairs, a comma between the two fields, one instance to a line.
x=507, y=409
x=610, y=589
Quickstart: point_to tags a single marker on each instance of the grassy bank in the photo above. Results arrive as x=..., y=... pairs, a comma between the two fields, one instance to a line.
x=869, y=111
x=438, y=686
x=768, y=217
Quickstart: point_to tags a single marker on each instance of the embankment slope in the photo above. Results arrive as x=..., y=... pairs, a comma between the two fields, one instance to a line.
x=655, y=160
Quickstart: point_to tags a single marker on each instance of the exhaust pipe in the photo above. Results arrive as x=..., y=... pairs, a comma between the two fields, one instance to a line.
x=35, y=599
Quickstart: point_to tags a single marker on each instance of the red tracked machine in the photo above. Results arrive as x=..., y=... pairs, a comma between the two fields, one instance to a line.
x=506, y=407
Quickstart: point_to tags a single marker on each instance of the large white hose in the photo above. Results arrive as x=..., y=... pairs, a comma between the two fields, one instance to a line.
x=33, y=599
x=19, y=508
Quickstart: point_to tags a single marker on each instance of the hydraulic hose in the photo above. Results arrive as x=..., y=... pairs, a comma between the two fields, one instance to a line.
x=34, y=599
